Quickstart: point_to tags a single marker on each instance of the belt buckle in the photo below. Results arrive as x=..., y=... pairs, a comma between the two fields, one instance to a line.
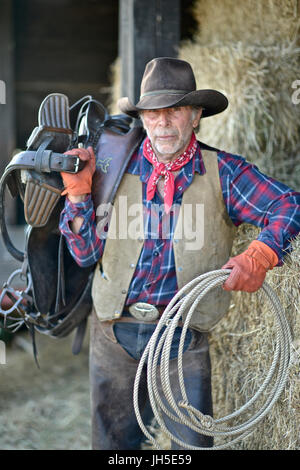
x=143, y=311
x=76, y=164
x=67, y=159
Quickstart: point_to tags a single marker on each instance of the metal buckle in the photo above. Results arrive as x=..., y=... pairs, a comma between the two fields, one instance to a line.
x=66, y=161
x=144, y=311
x=76, y=165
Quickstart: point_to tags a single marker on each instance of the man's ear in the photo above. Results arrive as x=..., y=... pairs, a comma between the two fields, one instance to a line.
x=197, y=118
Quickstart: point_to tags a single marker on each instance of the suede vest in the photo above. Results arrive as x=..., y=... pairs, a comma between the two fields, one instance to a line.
x=202, y=242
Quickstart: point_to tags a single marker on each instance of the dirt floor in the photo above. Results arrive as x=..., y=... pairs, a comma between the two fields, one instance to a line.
x=46, y=408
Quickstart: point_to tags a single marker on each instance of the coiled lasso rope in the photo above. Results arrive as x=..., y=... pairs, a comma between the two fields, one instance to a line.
x=181, y=411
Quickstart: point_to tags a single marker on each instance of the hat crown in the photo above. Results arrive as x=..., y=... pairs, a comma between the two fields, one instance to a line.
x=166, y=74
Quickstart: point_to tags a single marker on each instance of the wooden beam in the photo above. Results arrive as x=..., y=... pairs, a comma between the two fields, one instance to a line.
x=147, y=29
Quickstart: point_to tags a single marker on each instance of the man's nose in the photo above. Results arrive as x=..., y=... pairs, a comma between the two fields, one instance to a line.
x=163, y=118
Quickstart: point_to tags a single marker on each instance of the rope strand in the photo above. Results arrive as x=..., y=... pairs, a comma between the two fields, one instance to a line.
x=182, y=412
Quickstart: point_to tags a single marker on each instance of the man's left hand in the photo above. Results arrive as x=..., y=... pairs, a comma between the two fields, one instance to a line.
x=250, y=267
x=80, y=184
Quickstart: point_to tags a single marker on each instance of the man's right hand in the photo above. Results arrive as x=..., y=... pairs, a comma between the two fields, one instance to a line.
x=78, y=185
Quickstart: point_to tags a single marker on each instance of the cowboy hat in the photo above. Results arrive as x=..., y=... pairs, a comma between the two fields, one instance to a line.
x=169, y=82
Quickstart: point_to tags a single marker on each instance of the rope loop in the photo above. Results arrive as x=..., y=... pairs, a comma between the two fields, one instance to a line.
x=181, y=411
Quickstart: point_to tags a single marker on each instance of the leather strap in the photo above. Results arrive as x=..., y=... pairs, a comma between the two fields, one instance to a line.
x=79, y=337
x=123, y=319
x=46, y=161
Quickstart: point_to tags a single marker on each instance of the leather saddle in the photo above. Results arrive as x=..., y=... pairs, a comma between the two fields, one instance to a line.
x=56, y=297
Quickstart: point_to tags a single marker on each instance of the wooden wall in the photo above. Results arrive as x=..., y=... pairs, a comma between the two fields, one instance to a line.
x=63, y=46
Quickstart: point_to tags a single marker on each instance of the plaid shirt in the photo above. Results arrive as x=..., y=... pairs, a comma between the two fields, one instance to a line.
x=249, y=196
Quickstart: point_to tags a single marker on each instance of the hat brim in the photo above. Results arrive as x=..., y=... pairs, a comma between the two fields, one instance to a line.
x=212, y=101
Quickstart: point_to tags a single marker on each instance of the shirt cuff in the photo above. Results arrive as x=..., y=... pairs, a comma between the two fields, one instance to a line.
x=84, y=209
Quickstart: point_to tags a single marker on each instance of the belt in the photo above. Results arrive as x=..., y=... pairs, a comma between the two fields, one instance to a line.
x=46, y=161
x=107, y=326
x=142, y=313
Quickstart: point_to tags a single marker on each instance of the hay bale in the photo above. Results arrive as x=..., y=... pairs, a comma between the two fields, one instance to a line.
x=261, y=22
x=250, y=51
x=242, y=347
x=261, y=122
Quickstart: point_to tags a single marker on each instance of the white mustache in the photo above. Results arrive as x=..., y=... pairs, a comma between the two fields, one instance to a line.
x=165, y=134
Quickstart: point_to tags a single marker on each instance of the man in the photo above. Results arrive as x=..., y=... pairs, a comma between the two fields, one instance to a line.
x=170, y=173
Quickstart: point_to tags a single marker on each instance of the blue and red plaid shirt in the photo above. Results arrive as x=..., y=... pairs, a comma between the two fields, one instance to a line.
x=249, y=196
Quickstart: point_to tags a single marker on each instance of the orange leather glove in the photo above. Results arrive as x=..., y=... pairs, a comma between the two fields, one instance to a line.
x=250, y=267
x=77, y=184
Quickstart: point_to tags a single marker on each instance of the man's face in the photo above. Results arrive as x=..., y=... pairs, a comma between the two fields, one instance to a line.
x=170, y=129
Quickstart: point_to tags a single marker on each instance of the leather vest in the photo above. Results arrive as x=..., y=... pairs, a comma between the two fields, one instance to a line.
x=202, y=212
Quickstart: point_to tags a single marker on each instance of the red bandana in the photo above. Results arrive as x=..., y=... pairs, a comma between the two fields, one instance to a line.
x=165, y=169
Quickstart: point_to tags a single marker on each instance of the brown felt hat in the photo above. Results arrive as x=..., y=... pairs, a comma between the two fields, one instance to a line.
x=169, y=82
